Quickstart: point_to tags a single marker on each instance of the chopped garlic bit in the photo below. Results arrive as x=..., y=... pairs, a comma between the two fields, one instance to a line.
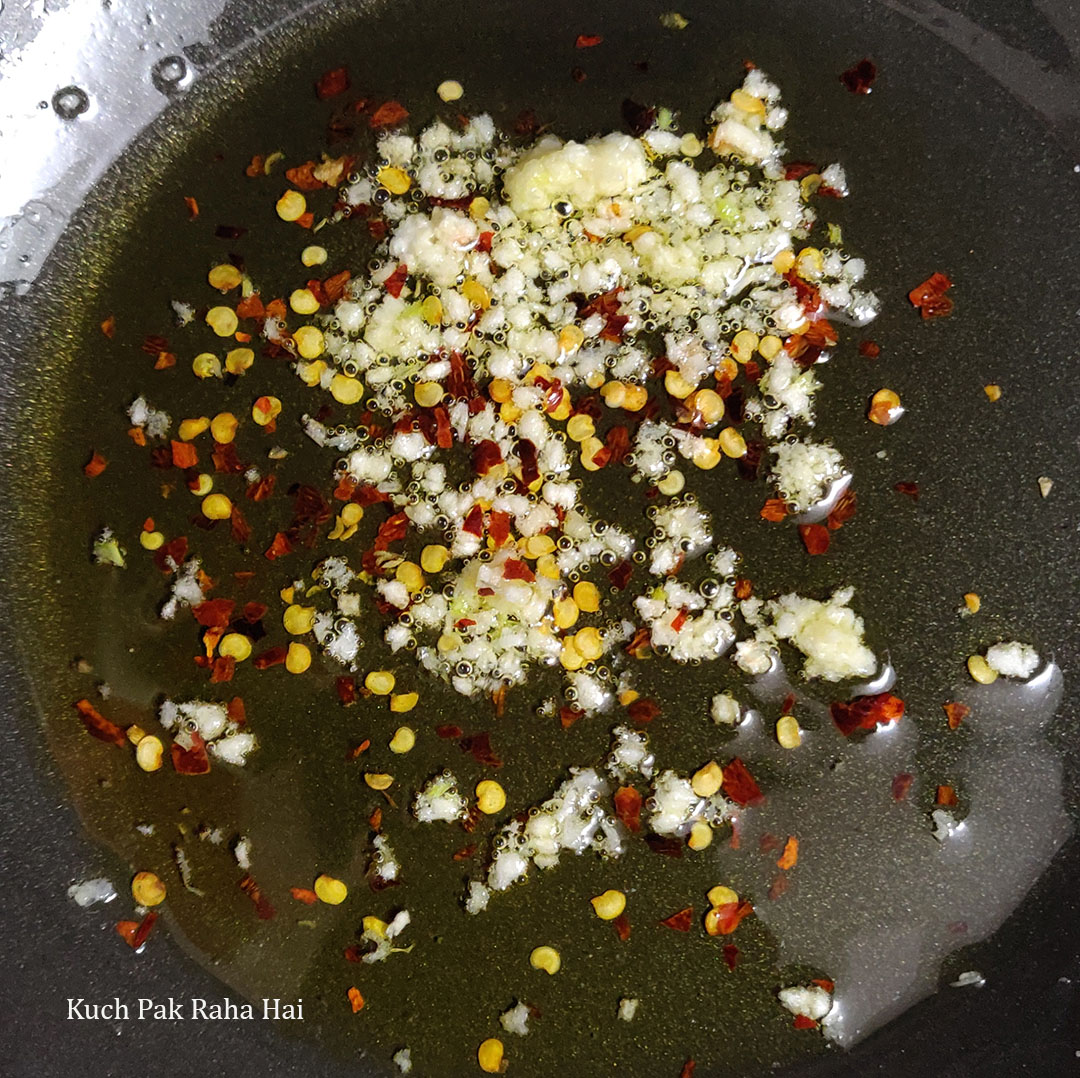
x=1013, y=659
x=628, y=1008
x=810, y=1001
x=439, y=801
x=91, y=892
x=516, y=1019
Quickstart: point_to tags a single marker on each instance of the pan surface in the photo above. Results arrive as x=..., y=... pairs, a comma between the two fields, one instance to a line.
x=949, y=172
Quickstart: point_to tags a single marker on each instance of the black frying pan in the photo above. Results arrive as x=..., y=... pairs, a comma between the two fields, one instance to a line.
x=953, y=169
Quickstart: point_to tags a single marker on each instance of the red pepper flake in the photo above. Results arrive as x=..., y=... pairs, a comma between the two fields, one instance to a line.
x=306, y=220
x=639, y=645
x=253, y=612
x=254, y=892
x=530, y=469
x=577, y=74
x=909, y=488
x=223, y=669
x=639, y=118
x=486, y=455
x=448, y=731
x=680, y=921
x=815, y=538
x=955, y=713
x=251, y=307
x=192, y=207
x=346, y=690
x=870, y=349
x=796, y=170
x=739, y=785
x=136, y=933
x=643, y=709
x=946, y=796
x=479, y=747
x=226, y=459
x=621, y=574
x=728, y=915
x=355, y=754
x=239, y=528
x=778, y=887
x=628, y=808
x=569, y=715
x=866, y=712
x=775, y=509
x=171, y=555
x=192, y=761
x=824, y=982
x=331, y=83
x=669, y=847
x=396, y=281
x=744, y=588
x=214, y=613
x=621, y=924
x=474, y=521
x=843, y=511
x=515, y=569
x=302, y=894
x=680, y=619
x=278, y=548
x=803, y=1022
x=688, y=1069
x=236, y=711
x=95, y=465
x=860, y=77
x=354, y=953
x=483, y=242
x=303, y=177
x=464, y=853
x=499, y=527
x=901, y=785
x=790, y=855
x=184, y=454
x=731, y=956
x=356, y=999
x=98, y=726
x=108, y=327
x=389, y=114
x=929, y=297
x=274, y=656
x=587, y=41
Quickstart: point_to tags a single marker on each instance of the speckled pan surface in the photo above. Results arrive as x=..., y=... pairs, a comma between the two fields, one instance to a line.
x=950, y=170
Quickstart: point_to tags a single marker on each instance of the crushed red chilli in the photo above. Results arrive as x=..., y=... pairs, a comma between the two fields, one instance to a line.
x=739, y=785
x=680, y=921
x=955, y=713
x=866, y=712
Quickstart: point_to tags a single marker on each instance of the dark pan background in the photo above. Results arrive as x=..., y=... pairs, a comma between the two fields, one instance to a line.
x=980, y=185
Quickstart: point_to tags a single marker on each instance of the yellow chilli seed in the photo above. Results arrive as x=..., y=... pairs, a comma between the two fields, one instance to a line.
x=238, y=360
x=635, y=233
x=707, y=454
x=810, y=263
x=589, y=642
x=783, y=262
x=787, y=732
x=313, y=255
x=628, y=696
x=223, y=427
x=732, y=443
x=547, y=566
x=561, y=410
x=291, y=206
x=394, y=179
x=332, y=892
x=479, y=208
x=490, y=1055
x=589, y=448
x=309, y=342
x=587, y=596
x=707, y=780
x=580, y=427
x=450, y=90
x=701, y=835
x=206, y=365
x=477, y=295
x=380, y=682
x=346, y=390
x=547, y=959
x=672, y=483
x=303, y=301
x=379, y=780
x=993, y=392
x=745, y=102
x=297, y=658
x=744, y=345
x=235, y=646
x=433, y=558
x=690, y=145
x=569, y=657
x=500, y=390
x=490, y=797
x=565, y=612
x=403, y=702
x=298, y=619
x=409, y=574
x=204, y=483
x=216, y=507
x=431, y=311
x=972, y=602
x=147, y=889
x=222, y=320
x=722, y=896
x=539, y=372
x=448, y=642
x=265, y=410
x=609, y=905
x=190, y=429
x=224, y=277
x=571, y=338
x=614, y=393
x=151, y=540
x=769, y=346
x=677, y=386
x=375, y=925
x=980, y=670
x=311, y=373
x=149, y=753
x=428, y=394
x=352, y=514
x=286, y=594
x=708, y=404
x=636, y=398
x=536, y=546
x=403, y=740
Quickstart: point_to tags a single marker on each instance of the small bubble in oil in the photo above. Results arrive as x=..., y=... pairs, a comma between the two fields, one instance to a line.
x=169, y=73
x=70, y=102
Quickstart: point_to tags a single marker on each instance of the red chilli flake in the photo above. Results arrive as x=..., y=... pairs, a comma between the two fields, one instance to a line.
x=214, y=613
x=530, y=469
x=946, y=796
x=870, y=349
x=643, y=710
x=729, y=914
x=669, y=847
x=628, y=808
x=680, y=921
x=620, y=575
x=193, y=761
x=843, y=511
x=790, y=856
x=95, y=465
x=274, y=656
x=866, y=712
x=803, y=1022
x=815, y=538
x=587, y=41
x=485, y=456
x=778, y=887
x=901, y=785
x=474, y=521
x=569, y=715
x=731, y=956
x=302, y=894
x=396, y=281
x=955, y=713
x=739, y=785
x=688, y=1069
x=254, y=892
x=479, y=747
x=908, y=488
x=860, y=78
x=621, y=924
x=929, y=297
x=346, y=690
x=515, y=569
x=448, y=731
x=98, y=726
x=331, y=83
x=389, y=114
x=192, y=207
x=136, y=933
x=775, y=509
